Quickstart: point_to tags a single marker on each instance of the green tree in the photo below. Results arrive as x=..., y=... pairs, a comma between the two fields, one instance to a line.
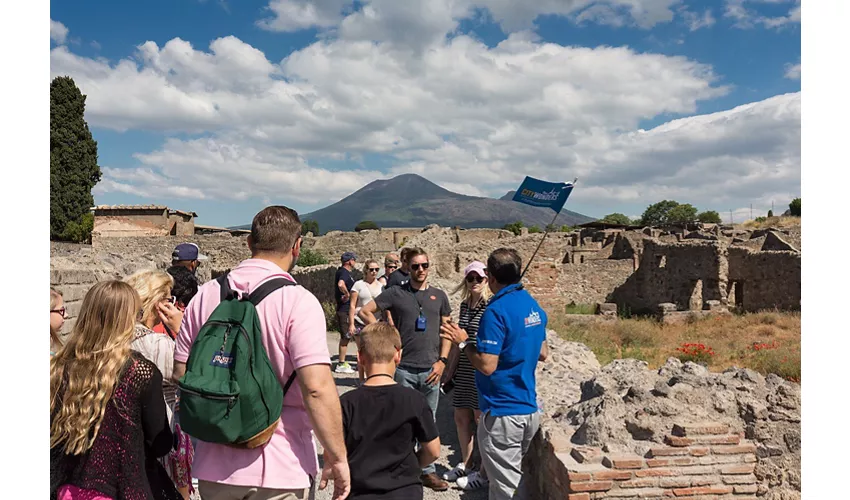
x=709, y=217
x=366, y=224
x=534, y=229
x=310, y=226
x=514, y=227
x=794, y=207
x=637, y=222
x=309, y=257
x=683, y=213
x=566, y=229
x=770, y=213
x=657, y=214
x=73, y=163
x=616, y=218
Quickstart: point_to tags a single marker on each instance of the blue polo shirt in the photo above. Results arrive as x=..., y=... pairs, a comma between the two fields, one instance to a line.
x=514, y=327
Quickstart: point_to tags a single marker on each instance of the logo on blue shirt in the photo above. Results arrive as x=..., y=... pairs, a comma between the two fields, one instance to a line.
x=533, y=319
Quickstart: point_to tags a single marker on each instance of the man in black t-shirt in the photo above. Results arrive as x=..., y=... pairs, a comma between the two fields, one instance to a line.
x=418, y=310
x=382, y=422
x=342, y=294
x=401, y=275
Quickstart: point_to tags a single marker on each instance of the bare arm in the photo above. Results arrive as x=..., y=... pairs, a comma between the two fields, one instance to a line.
x=544, y=351
x=367, y=314
x=178, y=371
x=344, y=289
x=428, y=452
x=351, y=310
x=322, y=402
x=485, y=363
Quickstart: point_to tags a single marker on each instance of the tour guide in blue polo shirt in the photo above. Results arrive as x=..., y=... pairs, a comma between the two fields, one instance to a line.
x=511, y=339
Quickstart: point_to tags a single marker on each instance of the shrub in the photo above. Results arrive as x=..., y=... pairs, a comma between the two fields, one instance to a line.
x=794, y=207
x=769, y=214
x=709, y=217
x=698, y=353
x=573, y=308
x=330, y=316
x=761, y=219
x=616, y=218
x=514, y=227
x=365, y=224
x=310, y=226
x=534, y=229
x=309, y=258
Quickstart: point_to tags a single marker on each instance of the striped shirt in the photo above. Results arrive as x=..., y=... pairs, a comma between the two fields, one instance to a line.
x=465, y=394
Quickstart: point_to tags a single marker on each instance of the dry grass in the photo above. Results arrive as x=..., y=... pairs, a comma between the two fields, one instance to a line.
x=781, y=221
x=731, y=337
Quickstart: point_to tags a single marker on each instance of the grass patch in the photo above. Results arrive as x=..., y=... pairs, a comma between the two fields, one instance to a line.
x=782, y=221
x=768, y=342
x=573, y=308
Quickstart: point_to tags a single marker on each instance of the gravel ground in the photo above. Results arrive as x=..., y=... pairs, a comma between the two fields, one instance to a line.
x=450, y=451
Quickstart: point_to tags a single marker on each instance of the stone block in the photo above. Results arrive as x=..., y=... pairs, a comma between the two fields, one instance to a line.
x=606, y=308
x=705, y=480
x=707, y=439
x=587, y=454
x=744, y=488
x=657, y=472
x=591, y=486
x=737, y=469
x=734, y=450
x=623, y=462
x=640, y=482
x=700, y=428
x=667, y=451
x=635, y=493
x=674, y=482
x=617, y=475
x=702, y=490
x=745, y=479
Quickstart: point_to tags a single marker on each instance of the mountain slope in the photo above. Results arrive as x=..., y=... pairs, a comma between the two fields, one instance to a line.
x=410, y=200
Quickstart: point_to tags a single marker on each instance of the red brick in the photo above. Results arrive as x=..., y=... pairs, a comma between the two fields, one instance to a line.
x=612, y=474
x=679, y=441
x=698, y=451
x=644, y=482
x=587, y=454
x=683, y=429
x=688, y=441
x=578, y=496
x=748, y=479
x=656, y=472
x=623, y=462
x=738, y=469
x=665, y=451
x=702, y=490
x=579, y=476
x=745, y=488
x=734, y=450
x=591, y=486
x=704, y=480
x=664, y=462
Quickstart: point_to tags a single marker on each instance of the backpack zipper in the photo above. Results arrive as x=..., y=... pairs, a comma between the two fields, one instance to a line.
x=230, y=399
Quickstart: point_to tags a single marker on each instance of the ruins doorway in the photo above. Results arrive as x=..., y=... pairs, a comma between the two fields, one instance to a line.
x=735, y=296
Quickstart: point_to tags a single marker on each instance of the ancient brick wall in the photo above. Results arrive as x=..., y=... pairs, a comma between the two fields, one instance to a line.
x=554, y=285
x=764, y=279
x=366, y=244
x=703, y=460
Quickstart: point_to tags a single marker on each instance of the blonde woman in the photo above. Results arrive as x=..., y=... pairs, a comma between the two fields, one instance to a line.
x=475, y=294
x=154, y=289
x=57, y=319
x=108, y=423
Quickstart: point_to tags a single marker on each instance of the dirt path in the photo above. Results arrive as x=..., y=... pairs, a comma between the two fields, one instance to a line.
x=450, y=452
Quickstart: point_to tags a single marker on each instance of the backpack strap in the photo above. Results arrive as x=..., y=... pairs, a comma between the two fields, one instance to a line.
x=227, y=293
x=266, y=288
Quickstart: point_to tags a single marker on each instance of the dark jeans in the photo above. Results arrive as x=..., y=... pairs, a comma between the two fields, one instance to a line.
x=415, y=379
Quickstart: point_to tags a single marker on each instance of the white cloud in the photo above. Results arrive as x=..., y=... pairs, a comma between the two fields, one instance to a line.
x=58, y=32
x=746, y=15
x=793, y=71
x=696, y=21
x=295, y=15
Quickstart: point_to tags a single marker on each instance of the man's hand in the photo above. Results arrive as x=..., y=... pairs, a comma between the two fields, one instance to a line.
x=170, y=315
x=341, y=476
x=436, y=373
x=453, y=333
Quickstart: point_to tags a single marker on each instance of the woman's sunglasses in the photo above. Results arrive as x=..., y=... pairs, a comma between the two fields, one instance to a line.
x=61, y=311
x=470, y=278
x=374, y=269
x=416, y=267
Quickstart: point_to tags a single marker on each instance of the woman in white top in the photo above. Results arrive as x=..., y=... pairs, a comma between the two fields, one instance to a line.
x=363, y=292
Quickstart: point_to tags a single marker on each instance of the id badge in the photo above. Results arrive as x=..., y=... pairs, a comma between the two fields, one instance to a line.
x=421, y=324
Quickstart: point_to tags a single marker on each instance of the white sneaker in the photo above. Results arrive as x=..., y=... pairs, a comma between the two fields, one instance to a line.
x=344, y=368
x=453, y=475
x=473, y=481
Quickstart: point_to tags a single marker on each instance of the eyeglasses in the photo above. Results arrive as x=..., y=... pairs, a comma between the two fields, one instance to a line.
x=416, y=267
x=374, y=269
x=474, y=278
x=61, y=311
x=391, y=267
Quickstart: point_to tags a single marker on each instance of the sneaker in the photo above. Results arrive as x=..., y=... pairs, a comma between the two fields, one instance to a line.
x=473, y=481
x=452, y=475
x=432, y=481
x=344, y=368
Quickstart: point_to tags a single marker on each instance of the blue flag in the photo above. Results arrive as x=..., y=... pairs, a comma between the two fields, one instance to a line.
x=539, y=193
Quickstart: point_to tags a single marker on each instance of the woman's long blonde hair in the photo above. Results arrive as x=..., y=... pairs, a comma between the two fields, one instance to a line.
x=84, y=373
x=55, y=295
x=152, y=286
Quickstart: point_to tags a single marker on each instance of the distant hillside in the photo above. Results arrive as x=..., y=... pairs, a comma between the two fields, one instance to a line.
x=410, y=200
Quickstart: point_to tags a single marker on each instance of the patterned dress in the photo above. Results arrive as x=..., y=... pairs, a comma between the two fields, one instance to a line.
x=465, y=394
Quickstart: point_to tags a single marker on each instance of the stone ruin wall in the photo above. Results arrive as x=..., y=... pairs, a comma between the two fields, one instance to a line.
x=764, y=279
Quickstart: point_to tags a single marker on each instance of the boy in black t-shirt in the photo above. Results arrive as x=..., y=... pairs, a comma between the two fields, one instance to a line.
x=383, y=421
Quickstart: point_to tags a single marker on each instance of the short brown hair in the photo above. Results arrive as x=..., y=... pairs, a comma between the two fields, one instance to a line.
x=505, y=266
x=404, y=253
x=275, y=229
x=414, y=252
x=379, y=342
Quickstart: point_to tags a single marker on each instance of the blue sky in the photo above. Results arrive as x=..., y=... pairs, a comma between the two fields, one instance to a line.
x=286, y=102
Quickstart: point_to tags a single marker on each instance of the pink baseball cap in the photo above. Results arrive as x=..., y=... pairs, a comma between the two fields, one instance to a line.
x=477, y=267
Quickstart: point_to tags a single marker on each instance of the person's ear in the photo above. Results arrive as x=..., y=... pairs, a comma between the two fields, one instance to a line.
x=296, y=249
x=397, y=357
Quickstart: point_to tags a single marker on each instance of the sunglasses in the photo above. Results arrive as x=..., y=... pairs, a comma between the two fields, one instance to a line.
x=374, y=269
x=474, y=278
x=416, y=267
x=391, y=267
x=61, y=311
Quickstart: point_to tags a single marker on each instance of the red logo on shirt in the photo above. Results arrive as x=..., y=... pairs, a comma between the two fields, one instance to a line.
x=433, y=298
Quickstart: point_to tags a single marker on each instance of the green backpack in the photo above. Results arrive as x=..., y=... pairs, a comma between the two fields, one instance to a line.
x=230, y=394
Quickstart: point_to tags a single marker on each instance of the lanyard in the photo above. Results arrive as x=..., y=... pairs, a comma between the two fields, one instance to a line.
x=416, y=297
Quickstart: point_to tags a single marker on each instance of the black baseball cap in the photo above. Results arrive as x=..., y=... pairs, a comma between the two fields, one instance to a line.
x=187, y=251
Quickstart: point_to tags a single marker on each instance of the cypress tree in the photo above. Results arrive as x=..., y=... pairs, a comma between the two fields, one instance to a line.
x=73, y=163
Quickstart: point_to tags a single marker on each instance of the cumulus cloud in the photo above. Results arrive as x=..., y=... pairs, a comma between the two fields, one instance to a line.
x=295, y=15
x=467, y=116
x=793, y=71
x=746, y=14
x=58, y=32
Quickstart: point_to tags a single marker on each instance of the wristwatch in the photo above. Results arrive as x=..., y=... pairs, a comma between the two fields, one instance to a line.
x=461, y=345
x=444, y=359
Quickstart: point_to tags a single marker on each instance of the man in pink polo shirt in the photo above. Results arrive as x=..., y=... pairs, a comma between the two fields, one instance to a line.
x=294, y=336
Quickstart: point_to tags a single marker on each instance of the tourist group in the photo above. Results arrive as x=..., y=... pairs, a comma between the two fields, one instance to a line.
x=170, y=389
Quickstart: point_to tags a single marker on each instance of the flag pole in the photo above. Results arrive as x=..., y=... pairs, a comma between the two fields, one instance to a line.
x=545, y=233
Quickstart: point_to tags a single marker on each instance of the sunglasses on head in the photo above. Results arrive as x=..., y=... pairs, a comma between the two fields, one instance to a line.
x=474, y=278
x=416, y=267
x=61, y=311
